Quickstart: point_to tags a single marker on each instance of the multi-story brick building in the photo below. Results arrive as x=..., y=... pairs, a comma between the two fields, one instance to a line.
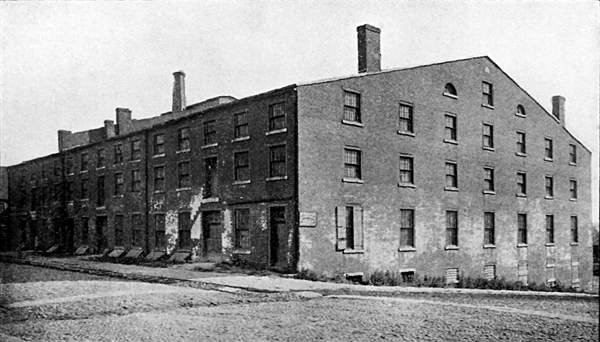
x=444, y=169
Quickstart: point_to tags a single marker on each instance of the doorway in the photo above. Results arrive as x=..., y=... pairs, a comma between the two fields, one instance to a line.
x=211, y=234
x=69, y=234
x=100, y=238
x=277, y=237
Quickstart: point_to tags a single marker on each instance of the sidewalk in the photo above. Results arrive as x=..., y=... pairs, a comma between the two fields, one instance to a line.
x=232, y=281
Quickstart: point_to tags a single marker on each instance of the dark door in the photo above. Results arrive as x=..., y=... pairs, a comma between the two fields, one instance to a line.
x=69, y=234
x=100, y=238
x=278, y=237
x=33, y=237
x=211, y=233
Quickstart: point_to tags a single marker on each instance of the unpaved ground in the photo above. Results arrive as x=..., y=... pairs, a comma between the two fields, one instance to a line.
x=74, y=309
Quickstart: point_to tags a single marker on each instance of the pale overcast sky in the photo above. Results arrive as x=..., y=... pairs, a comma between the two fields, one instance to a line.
x=68, y=65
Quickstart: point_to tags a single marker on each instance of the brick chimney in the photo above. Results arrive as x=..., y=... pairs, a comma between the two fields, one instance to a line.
x=558, y=108
x=62, y=139
x=124, y=124
x=369, y=55
x=109, y=128
x=178, y=91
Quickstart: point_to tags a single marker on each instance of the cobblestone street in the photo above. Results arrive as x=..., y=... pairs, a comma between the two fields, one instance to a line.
x=70, y=306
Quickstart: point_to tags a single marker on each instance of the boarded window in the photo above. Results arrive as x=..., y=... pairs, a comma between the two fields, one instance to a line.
x=407, y=228
x=451, y=275
x=451, y=228
x=352, y=106
x=242, y=228
x=489, y=272
x=349, y=227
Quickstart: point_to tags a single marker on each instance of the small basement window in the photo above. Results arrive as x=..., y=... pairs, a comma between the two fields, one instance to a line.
x=451, y=276
x=407, y=276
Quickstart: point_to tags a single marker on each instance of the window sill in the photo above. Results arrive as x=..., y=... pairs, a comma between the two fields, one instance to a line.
x=452, y=96
x=572, y=164
x=408, y=134
x=159, y=191
x=282, y=130
x=487, y=148
x=450, y=141
x=451, y=248
x=135, y=160
x=353, y=180
x=549, y=197
x=487, y=106
x=489, y=192
x=118, y=196
x=406, y=185
x=574, y=244
x=548, y=159
x=521, y=154
x=521, y=195
x=86, y=200
x=352, y=123
x=572, y=199
x=271, y=179
x=71, y=174
x=353, y=251
x=242, y=182
x=521, y=115
x=489, y=246
x=521, y=245
x=549, y=244
x=184, y=189
x=209, y=145
x=158, y=155
x=101, y=208
x=407, y=249
x=240, y=139
x=83, y=171
x=100, y=168
x=182, y=151
x=242, y=251
x=210, y=200
x=452, y=189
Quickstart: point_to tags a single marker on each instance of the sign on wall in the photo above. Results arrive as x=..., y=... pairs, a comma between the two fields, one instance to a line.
x=308, y=219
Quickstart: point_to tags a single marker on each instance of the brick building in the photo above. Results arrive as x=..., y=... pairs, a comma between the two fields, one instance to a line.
x=446, y=169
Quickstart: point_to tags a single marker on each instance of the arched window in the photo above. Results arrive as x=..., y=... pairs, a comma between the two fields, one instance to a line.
x=450, y=90
x=521, y=110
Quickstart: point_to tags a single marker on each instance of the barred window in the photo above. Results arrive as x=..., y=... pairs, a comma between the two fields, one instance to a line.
x=549, y=228
x=488, y=135
x=277, y=163
x=210, y=133
x=548, y=149
x=119, y=184
x=521, y=183
x=451, y=228
x=549, y=186
x=406, y=170
x=84, y=161
x=276, y=116
x=352, y=106
x=522, y=228
x=573, y=188
x=159, y=144
x=183, y=139
x=352, y=163
x=488, y=179
x=574, y=229
x=407, y=228
x=136, y=150
x=450, y=129
x=489, y=228
x=240, y=125
x=241, y=166
x=521, y=144
x=488, y=93
x=136, y=181
x=242, y=228
x=159, y=178
x=118, y=153
x=405, y=118
x=183, y=174
x=451, y=175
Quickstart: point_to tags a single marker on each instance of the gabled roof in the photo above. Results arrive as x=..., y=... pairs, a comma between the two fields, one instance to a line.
x=441, y=63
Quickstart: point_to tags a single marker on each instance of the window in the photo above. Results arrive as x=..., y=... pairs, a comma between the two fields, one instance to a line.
x=489, y=228
x=573, y=188
x=84, y=162
x=574, y=231
x=451, y=276
x=100, y=160
x=548, y=149
x=70, y=191
x=183, y=174
x=56, y=169
x=242, y=228
x=449, y=89
x=160, y=239
x=85, y=226
x=405, y=118
x=489, y=272
x=183, y=139
x=549, y=186
x=119, y=230
x=407, y=228
x=277, y=166
x=70, y=166
x=136, y=150
x=118, y=153
x=240, y=125
x=488, y=179
x=210, y=172
x=241, y=171
x=100, y=196
x=184, y=230
x=451, y=175
x=277, y=116
x=572, y=154
x=521, y=110
x=159, y=178
x=522, y=228
x=159, y=144
x=210, y=133
x=488, y=94
x=84, y=188
x=488, y=136
x=549, y=228
x=352, y=163
x=521, y=144
x=521, y=183
x=406, y=170
x=137, y=232
x=349, y=227
x=451, y=228
x=136, y=181
x=450, y=129
x=352, y=106
x=119, y=184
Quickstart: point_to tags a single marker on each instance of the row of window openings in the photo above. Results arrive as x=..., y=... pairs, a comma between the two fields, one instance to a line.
x=350, y=229
x=352, y=170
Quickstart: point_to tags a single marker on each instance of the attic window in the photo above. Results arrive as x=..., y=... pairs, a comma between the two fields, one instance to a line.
x=520, y=110
x=450, y=91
